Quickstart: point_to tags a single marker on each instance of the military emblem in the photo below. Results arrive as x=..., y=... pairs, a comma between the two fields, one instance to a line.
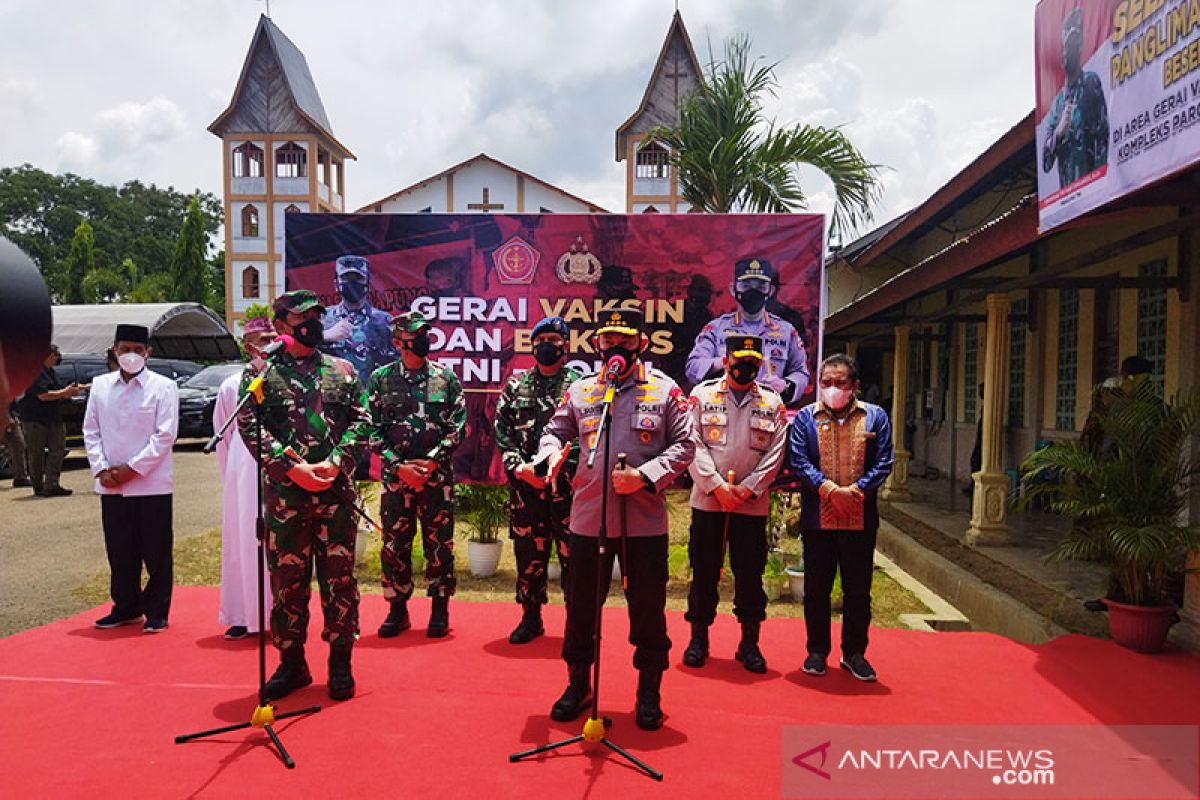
x=645, y=437
x=516, y=261
x=577, y=265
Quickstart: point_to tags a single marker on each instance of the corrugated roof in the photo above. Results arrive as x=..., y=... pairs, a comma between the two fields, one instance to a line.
x=177, y=330
x=295, y=71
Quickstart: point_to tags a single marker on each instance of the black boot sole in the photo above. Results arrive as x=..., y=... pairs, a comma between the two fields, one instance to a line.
x=570, y=715
x=280, y=692
x=341, y=693
x=526, y=636
x=757, y=669
x=692, y=661
x=648, y=724
x=392, y=631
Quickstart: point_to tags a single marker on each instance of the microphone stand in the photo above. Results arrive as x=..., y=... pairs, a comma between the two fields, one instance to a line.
x=264, y=715
x=595, y=727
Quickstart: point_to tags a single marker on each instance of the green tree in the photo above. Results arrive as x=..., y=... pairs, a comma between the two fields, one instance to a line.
x=189, y=265
x=730, y=157
x=216, y=283
x=81, y=262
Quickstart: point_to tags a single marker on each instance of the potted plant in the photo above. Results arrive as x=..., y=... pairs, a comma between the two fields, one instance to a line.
x=1127, y=487
x=773, y=576
x=795, y=577
x=486, y=509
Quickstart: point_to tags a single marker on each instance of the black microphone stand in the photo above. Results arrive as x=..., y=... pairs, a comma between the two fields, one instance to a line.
x=264, y=715
x=595, y=728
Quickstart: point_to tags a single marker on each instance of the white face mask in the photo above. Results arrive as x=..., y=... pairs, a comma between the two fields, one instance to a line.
x=835, y=398
x=132, y=363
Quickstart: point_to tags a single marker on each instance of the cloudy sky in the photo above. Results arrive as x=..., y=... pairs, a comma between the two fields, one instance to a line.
x=121, y=89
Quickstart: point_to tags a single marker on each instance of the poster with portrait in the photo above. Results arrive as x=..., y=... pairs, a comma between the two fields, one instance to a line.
x=1118, y=99
x=484, y=281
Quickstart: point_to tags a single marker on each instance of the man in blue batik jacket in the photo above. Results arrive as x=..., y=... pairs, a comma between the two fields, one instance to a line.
x=841, y=448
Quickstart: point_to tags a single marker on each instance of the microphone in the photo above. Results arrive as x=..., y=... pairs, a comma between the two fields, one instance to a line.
x=283, y=343
x=615, y=366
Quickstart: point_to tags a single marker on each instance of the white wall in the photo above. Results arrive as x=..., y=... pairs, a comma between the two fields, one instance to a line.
x=431, y=195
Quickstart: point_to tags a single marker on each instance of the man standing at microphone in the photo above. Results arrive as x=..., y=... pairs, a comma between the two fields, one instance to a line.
x=650, y=423
x=314, y=425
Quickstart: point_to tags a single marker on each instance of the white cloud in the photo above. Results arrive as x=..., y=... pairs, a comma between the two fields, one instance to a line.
x=20, y=98
x=131, y=125
x=76, y=150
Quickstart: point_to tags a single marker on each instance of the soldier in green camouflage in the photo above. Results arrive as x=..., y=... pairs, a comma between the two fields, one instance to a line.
x=418, y=414
x=539, y=515
x=1077, y=127
x=314, y=425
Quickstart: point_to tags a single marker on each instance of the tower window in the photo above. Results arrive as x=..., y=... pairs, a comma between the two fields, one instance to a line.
x=247, y=161
x=250, y=221
x=250, y=286
x=651, y=162
x=291, y=161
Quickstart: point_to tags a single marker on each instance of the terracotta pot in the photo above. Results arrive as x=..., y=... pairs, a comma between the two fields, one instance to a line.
x=1140, y=628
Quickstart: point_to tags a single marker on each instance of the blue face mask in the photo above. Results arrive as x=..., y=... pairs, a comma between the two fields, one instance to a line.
x=352, y=292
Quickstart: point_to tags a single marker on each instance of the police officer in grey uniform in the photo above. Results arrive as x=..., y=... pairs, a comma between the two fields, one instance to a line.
x=354, y=329
x=743, y=438
x=785, y=364
x=652, y=425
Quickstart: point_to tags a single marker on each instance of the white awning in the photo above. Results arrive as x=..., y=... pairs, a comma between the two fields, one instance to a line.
x=177, y=330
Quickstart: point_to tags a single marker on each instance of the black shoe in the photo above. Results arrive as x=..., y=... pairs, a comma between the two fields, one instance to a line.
x=697, y=649
x=748, y=652
x=154, y=625
x=115, y=620
x=576, y=696
x=292, y=674
x=859, y=667
x=57, y=491
x=530, y=627
x=341, y=679
x=1095, y=605
x=648, y=711
x=237, y=632
x=439, y=618
x=814, y=665
x=22, y=483
x=397, y=620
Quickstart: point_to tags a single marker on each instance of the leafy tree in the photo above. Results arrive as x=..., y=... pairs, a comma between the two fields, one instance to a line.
x=189, y=265
x=258, y=310
x=216, y=283
x=730, y=157
x=155, y=288
x=81, y=261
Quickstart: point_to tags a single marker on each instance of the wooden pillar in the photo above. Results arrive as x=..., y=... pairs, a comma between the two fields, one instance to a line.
x=852, y=349
x=896, y=487
x=989, y=507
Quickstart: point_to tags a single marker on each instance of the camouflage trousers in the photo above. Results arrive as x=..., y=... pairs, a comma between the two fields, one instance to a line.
x=303, y=529
x=535, y=524
x=400, y=510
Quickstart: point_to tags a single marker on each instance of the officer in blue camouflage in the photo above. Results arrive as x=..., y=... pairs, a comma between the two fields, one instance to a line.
x=1077, y=126
x=785, y=363
x=539, y=514
x=315, y=425
x=354, y=330
x=418, y=414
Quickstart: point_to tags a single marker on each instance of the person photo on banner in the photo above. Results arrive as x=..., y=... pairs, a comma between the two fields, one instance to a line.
x=1077, y=129
x=354, y=330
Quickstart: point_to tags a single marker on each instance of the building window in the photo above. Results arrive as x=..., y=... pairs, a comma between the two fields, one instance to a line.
x=970, y=371
x=250, y=222
x=651, y=162
x=250, y=287
x=247, y=161
x=1016, y=366
x=291, y=161
x=1152, y=320
x=1068, y=359
x=292, y=209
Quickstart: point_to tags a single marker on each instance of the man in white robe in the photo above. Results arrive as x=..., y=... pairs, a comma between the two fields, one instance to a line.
x=239, y=475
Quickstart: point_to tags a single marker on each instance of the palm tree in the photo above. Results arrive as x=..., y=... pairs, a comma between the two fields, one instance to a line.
x=729, y=157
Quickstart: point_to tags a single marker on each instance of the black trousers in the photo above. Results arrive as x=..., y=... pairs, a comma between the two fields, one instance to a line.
x=825, y=554
x=137, y=531
x=747, y=543
x=646, y=572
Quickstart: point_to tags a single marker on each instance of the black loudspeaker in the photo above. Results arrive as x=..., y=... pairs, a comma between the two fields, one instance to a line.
x=24, y=319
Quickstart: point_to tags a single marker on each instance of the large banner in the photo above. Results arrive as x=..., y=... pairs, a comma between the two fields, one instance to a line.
x=1118, y=99
x=486, y=279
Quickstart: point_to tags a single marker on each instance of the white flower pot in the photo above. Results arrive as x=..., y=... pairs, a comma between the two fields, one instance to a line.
x=795, y=583
x=774, y=589
x=483, y=557
x=554, y=570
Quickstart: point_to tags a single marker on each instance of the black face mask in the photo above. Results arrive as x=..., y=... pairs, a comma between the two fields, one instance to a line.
x=743, y=372
x=352, y=292
x=630, y=355
x=418, y=345
x=547, y=353
x=309, y=333
x=752, y=300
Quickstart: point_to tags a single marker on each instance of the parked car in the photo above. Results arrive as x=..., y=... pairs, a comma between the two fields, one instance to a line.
x=198, y=397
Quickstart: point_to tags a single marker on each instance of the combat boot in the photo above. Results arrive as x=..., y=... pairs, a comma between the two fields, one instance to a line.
x=697, y=649
x=292, y=674
x=577, y=694
x=748, y=652
x=648, y=710
x=397, y=620
x=341, y=679
x=530, y=626
x=439, y=618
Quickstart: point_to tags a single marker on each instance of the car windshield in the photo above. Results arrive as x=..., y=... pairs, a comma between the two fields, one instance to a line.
x=212, y=377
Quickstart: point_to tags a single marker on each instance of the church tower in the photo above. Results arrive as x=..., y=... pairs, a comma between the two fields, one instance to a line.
x=279, y=155
x=650, y=182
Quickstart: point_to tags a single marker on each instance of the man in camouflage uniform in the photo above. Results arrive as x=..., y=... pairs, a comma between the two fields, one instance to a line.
x=418, y=414
x=354, y=329
x=1077, y=125
x=314, y=425
x=539, y=514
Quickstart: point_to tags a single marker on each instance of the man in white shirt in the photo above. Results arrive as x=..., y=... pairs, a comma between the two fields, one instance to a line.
x=128, y=429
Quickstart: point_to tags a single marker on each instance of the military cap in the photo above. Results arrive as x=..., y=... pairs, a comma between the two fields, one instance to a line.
x=755, y=268
x=739, y=345
x=256, y=325
x=551, y=325
x=408, y=322
x=132, y=333
x=352, y=264
x=621, y=320
x=296, y=301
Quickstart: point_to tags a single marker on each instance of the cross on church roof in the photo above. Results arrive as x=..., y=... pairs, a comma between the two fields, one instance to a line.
x=485, y=206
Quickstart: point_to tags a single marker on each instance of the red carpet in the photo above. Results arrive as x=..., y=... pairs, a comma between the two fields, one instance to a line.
x=93, y=713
